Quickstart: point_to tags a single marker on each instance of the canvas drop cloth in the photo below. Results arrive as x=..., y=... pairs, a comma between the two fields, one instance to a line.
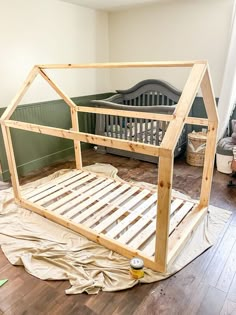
x=52, y=252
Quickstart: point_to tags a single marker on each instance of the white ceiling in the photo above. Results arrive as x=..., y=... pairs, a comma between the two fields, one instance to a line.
x=112, y=5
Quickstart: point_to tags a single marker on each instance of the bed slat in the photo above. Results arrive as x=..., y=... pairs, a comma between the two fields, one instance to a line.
x=132, y=216
x=142, y=237
x=53, y=191
x=52, y=182
x=91, y=221
x=74, y=194
x=97, y=205
x=116, y=215
x=80, y=198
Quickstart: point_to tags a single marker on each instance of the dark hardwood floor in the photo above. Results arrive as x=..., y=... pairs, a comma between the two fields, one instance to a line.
x=207, y=286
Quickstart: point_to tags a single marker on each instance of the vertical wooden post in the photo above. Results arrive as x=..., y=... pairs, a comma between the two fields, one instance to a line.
x=165, y=175
x=210, y=105
x=208, y=167
x=11, y=161
x=77, y=146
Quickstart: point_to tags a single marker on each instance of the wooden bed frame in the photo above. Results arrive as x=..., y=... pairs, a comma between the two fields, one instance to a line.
x=124, y=218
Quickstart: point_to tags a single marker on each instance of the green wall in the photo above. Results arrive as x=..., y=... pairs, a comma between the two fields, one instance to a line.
x=32, y=150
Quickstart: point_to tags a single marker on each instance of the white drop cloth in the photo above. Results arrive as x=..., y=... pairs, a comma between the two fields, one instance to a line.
x=52, y=252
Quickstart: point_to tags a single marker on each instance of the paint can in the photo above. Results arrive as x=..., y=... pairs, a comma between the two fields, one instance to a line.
x=136, y=268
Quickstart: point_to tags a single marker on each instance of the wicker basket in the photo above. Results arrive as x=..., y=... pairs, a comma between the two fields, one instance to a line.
x=196, y=148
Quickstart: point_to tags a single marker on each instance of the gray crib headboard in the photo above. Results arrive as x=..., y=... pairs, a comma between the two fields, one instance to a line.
x=154, y=96
x=145, y=93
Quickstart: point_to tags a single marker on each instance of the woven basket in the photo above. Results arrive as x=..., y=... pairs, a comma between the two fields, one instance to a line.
x=196, y=148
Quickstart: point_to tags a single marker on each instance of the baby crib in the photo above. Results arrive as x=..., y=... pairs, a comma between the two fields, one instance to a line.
x=154, y=96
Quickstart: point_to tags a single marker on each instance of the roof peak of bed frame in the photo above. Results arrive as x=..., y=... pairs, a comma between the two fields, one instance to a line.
x=189, y=63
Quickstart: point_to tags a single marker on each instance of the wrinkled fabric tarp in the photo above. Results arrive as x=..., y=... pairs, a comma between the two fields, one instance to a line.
x=49, y=251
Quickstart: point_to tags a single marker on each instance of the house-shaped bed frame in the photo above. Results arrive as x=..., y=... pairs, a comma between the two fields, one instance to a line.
x=124, y=218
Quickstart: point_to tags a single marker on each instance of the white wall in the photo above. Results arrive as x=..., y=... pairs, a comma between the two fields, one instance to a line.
x=50, y=31
x=176, y=30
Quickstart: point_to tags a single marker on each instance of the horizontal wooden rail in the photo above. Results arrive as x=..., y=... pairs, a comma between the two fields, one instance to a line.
x=125, y=113
x=197, y=121
x=90, y=234
x=123, y=64
x=133, y=146
x=141, y=115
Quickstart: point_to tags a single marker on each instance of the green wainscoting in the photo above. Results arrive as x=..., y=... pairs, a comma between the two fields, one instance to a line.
x=34, y=151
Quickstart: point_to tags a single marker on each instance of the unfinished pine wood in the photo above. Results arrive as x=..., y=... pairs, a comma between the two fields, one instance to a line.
x=119, y=212
x=57, y=89
x=141, y=115
x=148, y=149
x=182, y=235
x=125, y=113
x=43, y=187
x=15, y=102
x=122, y=210
x=124, y=65
x=58, y=189
x=77, y=146
x=177, y=204
x=165, y=177
x=69, y=198
x=81, y=197
x=132, y=216
x=120, y=199
x=184, y=105
x=208, y=97
x=119, y=216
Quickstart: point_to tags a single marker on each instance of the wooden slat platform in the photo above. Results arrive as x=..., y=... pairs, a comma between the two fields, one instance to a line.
x=119, y=211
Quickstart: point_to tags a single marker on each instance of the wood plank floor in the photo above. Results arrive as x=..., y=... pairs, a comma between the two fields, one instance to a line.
x=207, y=286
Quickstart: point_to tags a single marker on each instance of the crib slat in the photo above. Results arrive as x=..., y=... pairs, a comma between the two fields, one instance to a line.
x=116, y=126
x=161, y=101
x=146, y=131
x=163, y=129
x=135, y=129
x=141, y=131
x=139, y=101
x=157, y=133
x=111, y=118
x=149, y=99
x=121, y=126
x=151, y=132
x=130, y=129
x=126, y=122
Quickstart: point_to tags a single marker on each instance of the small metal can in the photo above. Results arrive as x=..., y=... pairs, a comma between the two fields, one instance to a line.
x=136, y=268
